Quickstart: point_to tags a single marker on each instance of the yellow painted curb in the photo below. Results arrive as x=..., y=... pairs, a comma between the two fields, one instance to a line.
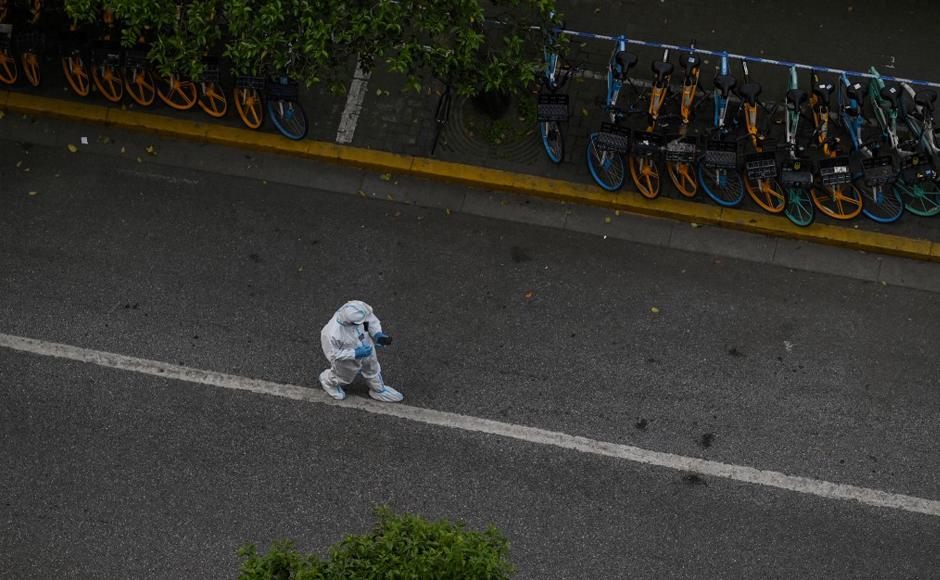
x=475, y=176
x=33, y=105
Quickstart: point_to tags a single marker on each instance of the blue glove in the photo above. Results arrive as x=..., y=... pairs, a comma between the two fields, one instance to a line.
x=363, y=351
x=381, y=339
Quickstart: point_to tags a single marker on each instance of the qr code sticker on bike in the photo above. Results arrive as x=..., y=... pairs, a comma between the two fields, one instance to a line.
x=646, y=144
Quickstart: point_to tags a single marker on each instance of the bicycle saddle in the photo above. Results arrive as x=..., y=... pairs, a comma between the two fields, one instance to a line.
x=626, y=61
x=823, y=91
x=724, y=83
x=662, y=69
x=688, y=61
x=856, y=92
x=749, y=92
x=891, y=94
x=796, y=98
x=926, y=99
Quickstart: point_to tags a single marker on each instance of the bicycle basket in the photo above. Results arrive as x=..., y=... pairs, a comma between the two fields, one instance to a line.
x=210, y=74
x=878, y=170
x=834, y=171
x=107, y=54
x=681, y=149
x=721, y=154
x=248, y=82
x=134, y=58
x=289, y=91
x=553, y=107
x=646, y=144
x=614, y=138
x=761, y=166
x=917, y=168
x=797, y=173
x=29, y=41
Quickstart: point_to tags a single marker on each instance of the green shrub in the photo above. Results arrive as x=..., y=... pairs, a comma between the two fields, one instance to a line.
x=400, y=546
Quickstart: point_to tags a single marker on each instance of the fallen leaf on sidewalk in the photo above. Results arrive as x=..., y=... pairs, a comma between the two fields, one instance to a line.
x=151, y=150
x=529, y=295
x=447, y=211
x=616, y=212
x=654, y=310
x=584, y=112
x=33, y=193
x=2, y=114
x=123, y=150
x=139, y=160
x=18, y=163
x=386, y=177
x=695, y=225
x=72, y=148
x=607, y=219
x=300, y=268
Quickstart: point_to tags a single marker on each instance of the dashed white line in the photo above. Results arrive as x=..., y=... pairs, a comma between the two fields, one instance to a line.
x=742, y=473
x=357, y=93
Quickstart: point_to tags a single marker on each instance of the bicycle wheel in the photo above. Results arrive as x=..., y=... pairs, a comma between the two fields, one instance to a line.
x=799, y=207
x=724, y=186
x=76, y=75
x=8, y=71
x=881, y=203
x=840, y=202
x=553, y=140
x=683, y=177
x=30, y=62
x=288, y=117
x=138, y=82
x=212, y=99
x=109, y=82
x=248, y=105
x=645, y=174
x=921, y=198
x=181, y=95
x=606, y=166
x=766, y=193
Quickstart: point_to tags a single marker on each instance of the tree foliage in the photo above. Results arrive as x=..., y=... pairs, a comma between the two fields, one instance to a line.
x=315, y=41
x=399, y=546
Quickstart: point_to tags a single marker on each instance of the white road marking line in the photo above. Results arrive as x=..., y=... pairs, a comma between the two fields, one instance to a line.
x=357, y=93
x=825, y=489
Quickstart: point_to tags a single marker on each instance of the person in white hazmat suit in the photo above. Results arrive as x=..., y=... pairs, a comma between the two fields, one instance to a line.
x=349, y=341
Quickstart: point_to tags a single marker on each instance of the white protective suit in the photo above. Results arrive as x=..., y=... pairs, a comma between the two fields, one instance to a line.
x=339, y=339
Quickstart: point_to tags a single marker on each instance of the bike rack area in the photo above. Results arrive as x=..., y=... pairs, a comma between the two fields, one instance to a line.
x=757, y=59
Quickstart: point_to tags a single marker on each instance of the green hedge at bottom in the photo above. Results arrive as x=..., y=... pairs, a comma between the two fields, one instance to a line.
x=400, y=546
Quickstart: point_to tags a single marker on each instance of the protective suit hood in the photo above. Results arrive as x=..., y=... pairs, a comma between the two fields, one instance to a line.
x=353, y=312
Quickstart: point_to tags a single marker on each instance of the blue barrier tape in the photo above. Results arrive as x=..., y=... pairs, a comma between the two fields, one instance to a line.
x=786, y=63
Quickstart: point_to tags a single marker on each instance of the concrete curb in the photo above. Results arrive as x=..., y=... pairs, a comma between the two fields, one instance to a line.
x=474, y=176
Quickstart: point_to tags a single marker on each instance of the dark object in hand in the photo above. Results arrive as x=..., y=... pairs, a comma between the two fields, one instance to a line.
x=383, y=340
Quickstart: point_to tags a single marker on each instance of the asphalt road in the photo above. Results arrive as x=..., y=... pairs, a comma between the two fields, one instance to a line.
x=115, y=474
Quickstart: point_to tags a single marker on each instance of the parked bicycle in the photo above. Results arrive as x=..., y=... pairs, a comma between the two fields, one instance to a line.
x=606, y=148
x=106, y=60
x=646, y=147
x=835, y=194
x=796, y=175
x=918, y=183
x=760, y=167
x=681, y=151
x=553, y=108
x=284, y=106
x=717, y=169
x=882, y=202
